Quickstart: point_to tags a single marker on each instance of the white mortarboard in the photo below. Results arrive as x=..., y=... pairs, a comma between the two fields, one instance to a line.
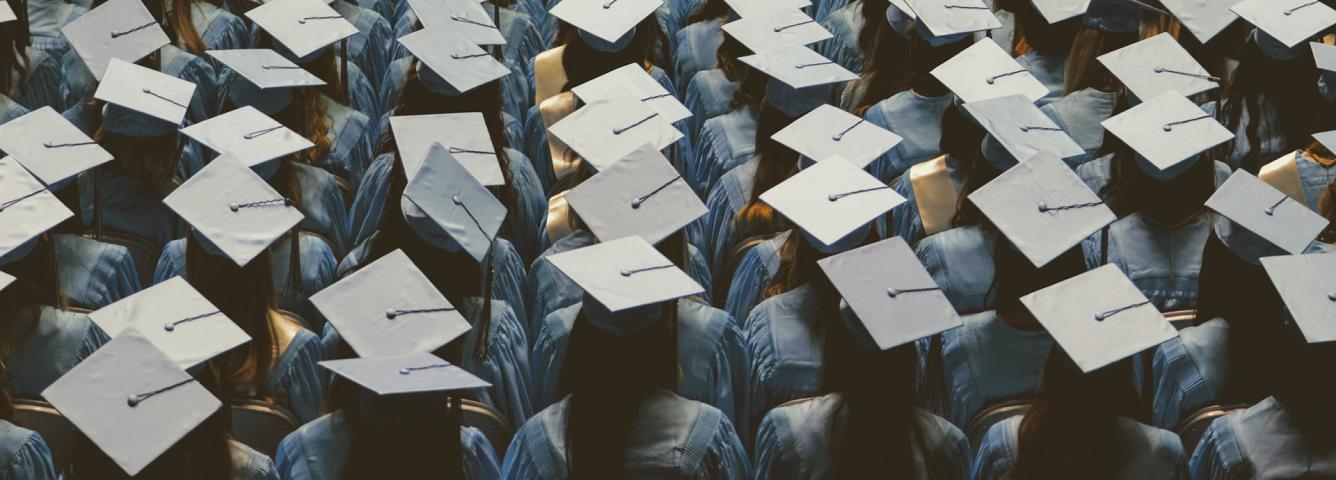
x=249, y=135
x=1157, y=65
x=1307, y=284
x=829, y=131
x=1099, y=317
x=177, y=319
x=49, y=146
x=1327, y=139
x=467, y=17
x=302, y=26
x=233, y=209
x=455, y=202
x=640, y=195
x=1204, y=18
x=1267, y=212
x=1055, y=11
x=606, y=19
x=893, y=295
x=131, y=400
x=945, y=18
x=146, y=91
x=390, y=307
x=1021, y=129
x=985, y=71
x=27, y=209
x=1290, y=21
x=609, y=129
x=1167, y=130
x=5, y=280
x=799, y=67
x=453, y=58
x=121, y=29
x=7, y=15
x=832, y=199
x=266, y=68
x=1042, y=207
x=777, y=30
x=405, y=373
x=635, y=80
x=1324, y=56
x=464, y=136
x=625, y=273
x=748, y=8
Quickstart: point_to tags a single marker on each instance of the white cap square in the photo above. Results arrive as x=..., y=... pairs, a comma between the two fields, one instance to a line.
x=5, y=280
x=1290, y=21
x=1157, y=65
x=1204, y=18
x=407, y=373
x=177, y=319
x=1042, y=207
x=985, y=71
x=146, y=91
x=49, y=146
x=776, y=31
x=829, y=131
x=625, y=273
x=749, y=8
x=390, y=308
x=605, y=19
x=1055, y=11
x=1021, y=128
x=609, y=129
x=266, y=68
x=454, y=58
x=1168, y=130
x=1267, y=212
x=1324, y=56
x=890, y=291
x=233, y=209
x=302, y=26
x=945, y=18
x=641, y=195
x=1327, y=139
x=799, y=67
x=453, y=199
x=634, y=79
x=467, y=17
x=464, y=136
x=120, y=29
x=1307, y=284
x=249, y=135
x=1099, y=317
x=27, y=209
x=7, y=13
x=832, y=199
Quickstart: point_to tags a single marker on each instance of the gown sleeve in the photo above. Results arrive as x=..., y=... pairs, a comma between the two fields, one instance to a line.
x=995, y=458
x=302, y=379
x=479, y=460
x=32, y=461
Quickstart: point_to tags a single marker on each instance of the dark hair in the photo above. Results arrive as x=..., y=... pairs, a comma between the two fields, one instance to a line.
x=1016, y=277
x=181, y=25
x=607, y=376
x=245, y=295
x=923, y=58
x=886, y=69
x=14, y=52
x=1258, y=87
x=1130, y=190
x=1083, y=67
x=1072, y=431
x=775, y=163
x=36, y=286
x=709, y=10
x=1033, y=32
x=960, y=142
x=583, y=63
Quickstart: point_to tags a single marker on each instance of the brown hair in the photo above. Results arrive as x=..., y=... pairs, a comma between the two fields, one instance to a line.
x=245, y=295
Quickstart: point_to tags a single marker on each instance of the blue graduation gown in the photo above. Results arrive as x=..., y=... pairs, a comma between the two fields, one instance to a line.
x=1080, y=114
x=24, y=455
x=752, y=276
x=220, y=29
x=1050, y=70
x=44, y=80
x=318, y=450
x=352, y=135
x=45, y=19
x=960, y=261
x=130, y=207
x=916, y=118
x=58, y=341
x=370, y=48
x=1261, y=442
x=80, y=85
x=697, y=50
x=94, y=274
x=986, y=361
x=784, y=342
x=723, y=143
x=1189, y=371
x=845, y=24
x=248, y=464
x=1153, y=453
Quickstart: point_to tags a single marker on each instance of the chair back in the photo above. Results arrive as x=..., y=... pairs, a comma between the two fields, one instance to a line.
x=1191, y=429
x=59, y=434
x=993, y=415
x=495, y=427
x=261, y=425
x=1181, y=319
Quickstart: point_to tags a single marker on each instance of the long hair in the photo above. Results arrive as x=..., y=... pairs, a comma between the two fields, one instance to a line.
x=306, y=114
x=582, y=63
x=886, y=70
x=36, y=286
x=709, y=10
x=1130, y=190
x=1071, y=431
x=1083, y=67
x=606, y=377
x=14, y=50
x=1272, y=93
x=182, y=23
x=1034, y=33
x=1326, y=203
x=245, y=295
x=775, y=163
x=960, y=142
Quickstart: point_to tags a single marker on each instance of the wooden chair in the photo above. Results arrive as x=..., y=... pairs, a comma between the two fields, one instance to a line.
x=1191, y=429
x=59, y=434
x=495, y=427
x=261, y=425
x=993, y=415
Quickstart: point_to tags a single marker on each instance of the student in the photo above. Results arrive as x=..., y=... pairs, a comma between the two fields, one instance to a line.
x=1041, y=46
x=883, y=42
x=27, y=456
x=698, y=45
x=236, y=216
x=934, y=187
x=855, y=27
x=203, y=25
x=31, y=77
x=620, y=417
x=1306, y=175
x=868, y=423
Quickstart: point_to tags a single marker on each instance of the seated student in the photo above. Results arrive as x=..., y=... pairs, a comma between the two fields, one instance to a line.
x=883, y=48
x=620, y=417
x=26, y=456
x=727, y=138
x=523, y=42
x=1307, y=175
x=457, y=248
x=933, y=188
x=854, y=27
x=228, y=260
x=868, y=422
x=30, y=78
x=697, y=44
x=753, y=274
x=1287, y=434
x=203, y=25
x=404, y=431
x=372, y=47
x=1042, y=47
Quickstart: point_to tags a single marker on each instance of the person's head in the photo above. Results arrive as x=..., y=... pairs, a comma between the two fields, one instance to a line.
x=1210, y=58
x=878, y=431
x=924, y=57
x=775, y=164
x=1015, y=276
x=584, y=62
x=151, y=160
x=243, y=294
x=180, y=25
x=1137, y=186
x=1272, y=87
x=1034, y=33
x=13, y=50
x=36, y=285
x=885, y=70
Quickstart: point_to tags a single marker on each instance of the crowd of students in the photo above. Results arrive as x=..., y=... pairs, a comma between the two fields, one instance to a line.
x=770, y=239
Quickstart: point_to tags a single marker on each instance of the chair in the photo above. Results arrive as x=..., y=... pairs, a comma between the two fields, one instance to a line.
x=143, y=252
x=1181, y=319
x=1191, y=429
x=993, y=415
x=495, y=427
x=59, y=434
x=261, y=425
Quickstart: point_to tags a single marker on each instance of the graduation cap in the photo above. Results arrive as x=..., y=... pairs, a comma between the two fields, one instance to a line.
x=303, y=27
x=1204, y=18
x=27, y=209
x=948, y=21
x=1042, y=207
x=1324, y=56
x=776, y=30
x=249, y=135
x=1116, y=16
x=832, y=200
x=1099, y=317
x=7, y=15
x=799, y=67
x=448, y=203
x=235, y=213
x=450, y=64
x=418, y=372
x=265, y=78
x=985, y=71
x=1327, y=139
x=1055, y=11
x=1167, y=131
x=464, y=136
x=131, y=400
x=828, y=131
x=177, y=319
x=608, y=20
x=1018, y=130
x=390, y=308
x=117, y=29
x=1307, y=285
x=1156, y=65
x=5, y=281
x=49, y=146
x=641, y=195
x=635, y=80
x=467, y=17
x=1265, y=212
x=749, y=8
x=607, y=130
x=894, y=297
x=1289, y=21
x=154, y=94
x=624, y=274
